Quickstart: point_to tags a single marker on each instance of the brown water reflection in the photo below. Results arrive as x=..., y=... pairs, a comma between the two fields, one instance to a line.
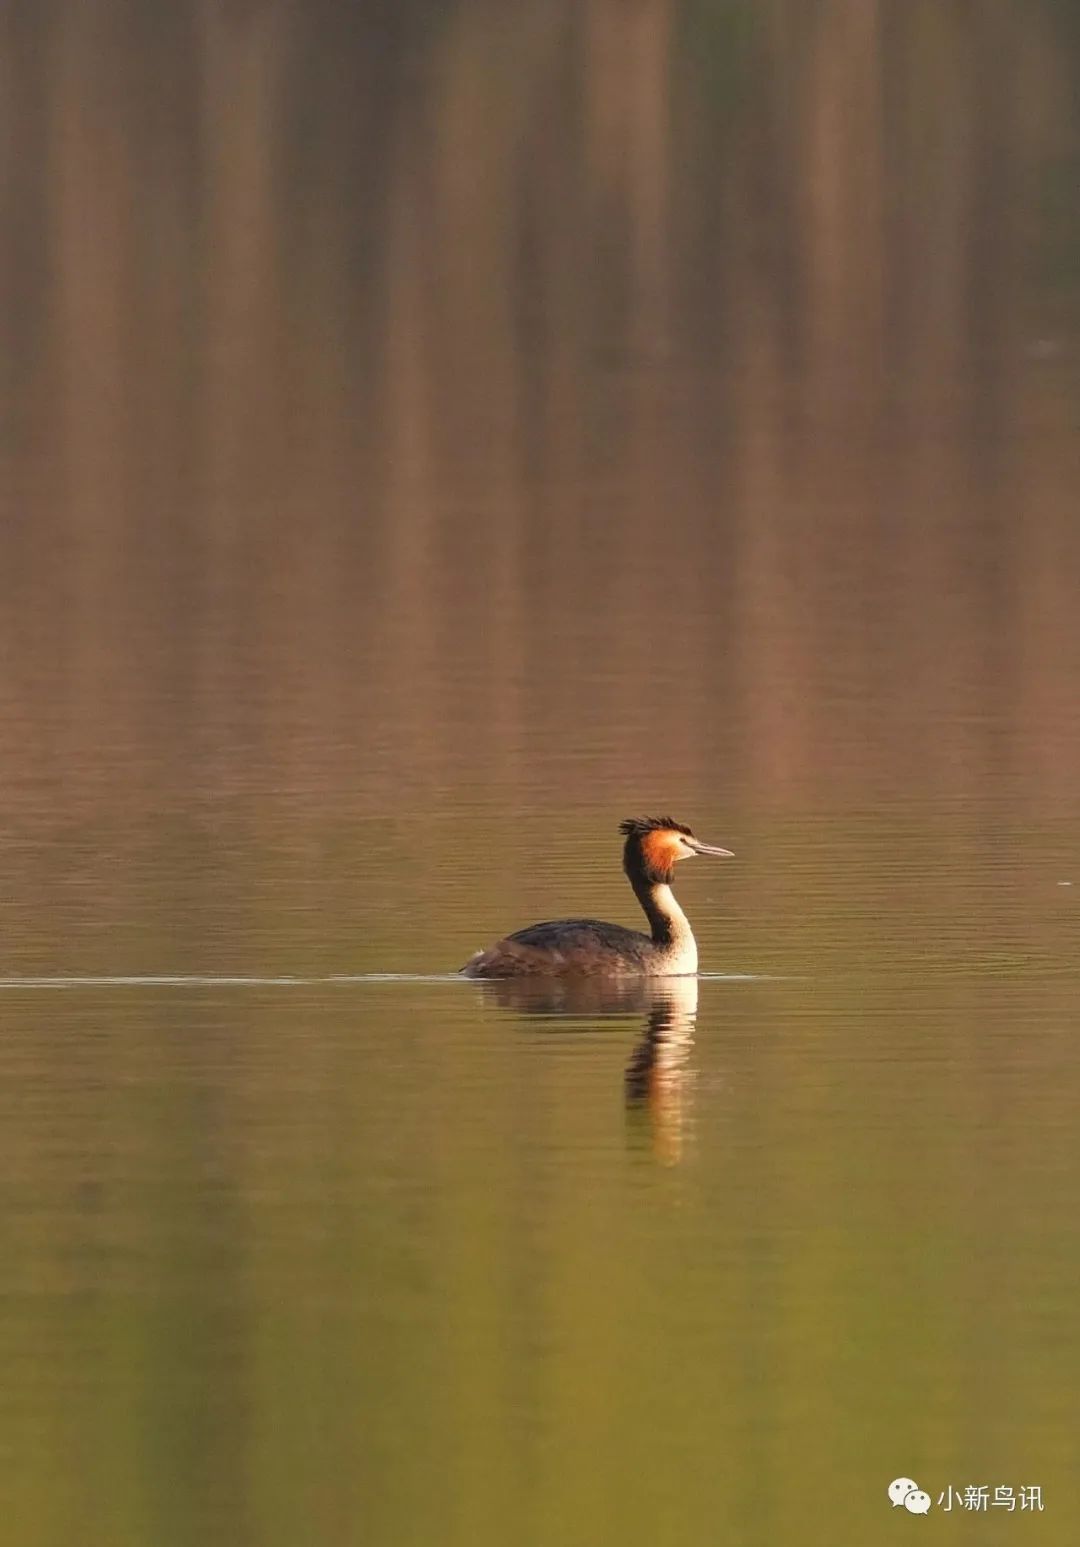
x=432, y=432
x=695, y=393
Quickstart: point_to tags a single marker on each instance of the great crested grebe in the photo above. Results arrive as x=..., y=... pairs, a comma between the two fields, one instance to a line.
x=654, y=845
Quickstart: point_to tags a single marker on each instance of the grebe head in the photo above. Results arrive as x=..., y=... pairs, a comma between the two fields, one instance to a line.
x=655, y=845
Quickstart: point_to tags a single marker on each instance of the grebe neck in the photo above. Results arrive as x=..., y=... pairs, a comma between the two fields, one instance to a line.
x=670, y=927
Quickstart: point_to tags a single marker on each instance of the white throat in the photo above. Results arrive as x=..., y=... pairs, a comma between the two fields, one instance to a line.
x=678, y=954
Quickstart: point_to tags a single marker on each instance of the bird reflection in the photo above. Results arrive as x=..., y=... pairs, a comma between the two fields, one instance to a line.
x=658, y=1076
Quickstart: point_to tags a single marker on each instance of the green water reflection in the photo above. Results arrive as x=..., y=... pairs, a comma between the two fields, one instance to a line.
x=399, y=1263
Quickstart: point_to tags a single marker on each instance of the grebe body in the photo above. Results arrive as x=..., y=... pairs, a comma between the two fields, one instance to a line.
x=653, y=847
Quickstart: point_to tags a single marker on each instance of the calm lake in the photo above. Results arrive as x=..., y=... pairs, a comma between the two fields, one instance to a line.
x=433, y=432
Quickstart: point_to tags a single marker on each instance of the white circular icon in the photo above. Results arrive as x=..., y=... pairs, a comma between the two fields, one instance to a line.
x=899, y=1488
x=917, y=1502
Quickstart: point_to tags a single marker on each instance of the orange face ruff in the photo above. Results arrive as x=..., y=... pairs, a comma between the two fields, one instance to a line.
x=661, y=849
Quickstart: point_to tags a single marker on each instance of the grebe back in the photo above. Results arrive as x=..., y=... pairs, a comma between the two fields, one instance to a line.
x=654, y=846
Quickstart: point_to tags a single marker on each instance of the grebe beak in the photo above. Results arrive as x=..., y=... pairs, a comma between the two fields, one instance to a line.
x=708, y=848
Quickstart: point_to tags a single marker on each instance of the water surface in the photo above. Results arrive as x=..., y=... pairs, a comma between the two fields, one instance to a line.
x=432, y=434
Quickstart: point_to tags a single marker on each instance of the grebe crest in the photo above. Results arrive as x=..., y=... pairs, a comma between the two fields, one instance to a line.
x=653, y=847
